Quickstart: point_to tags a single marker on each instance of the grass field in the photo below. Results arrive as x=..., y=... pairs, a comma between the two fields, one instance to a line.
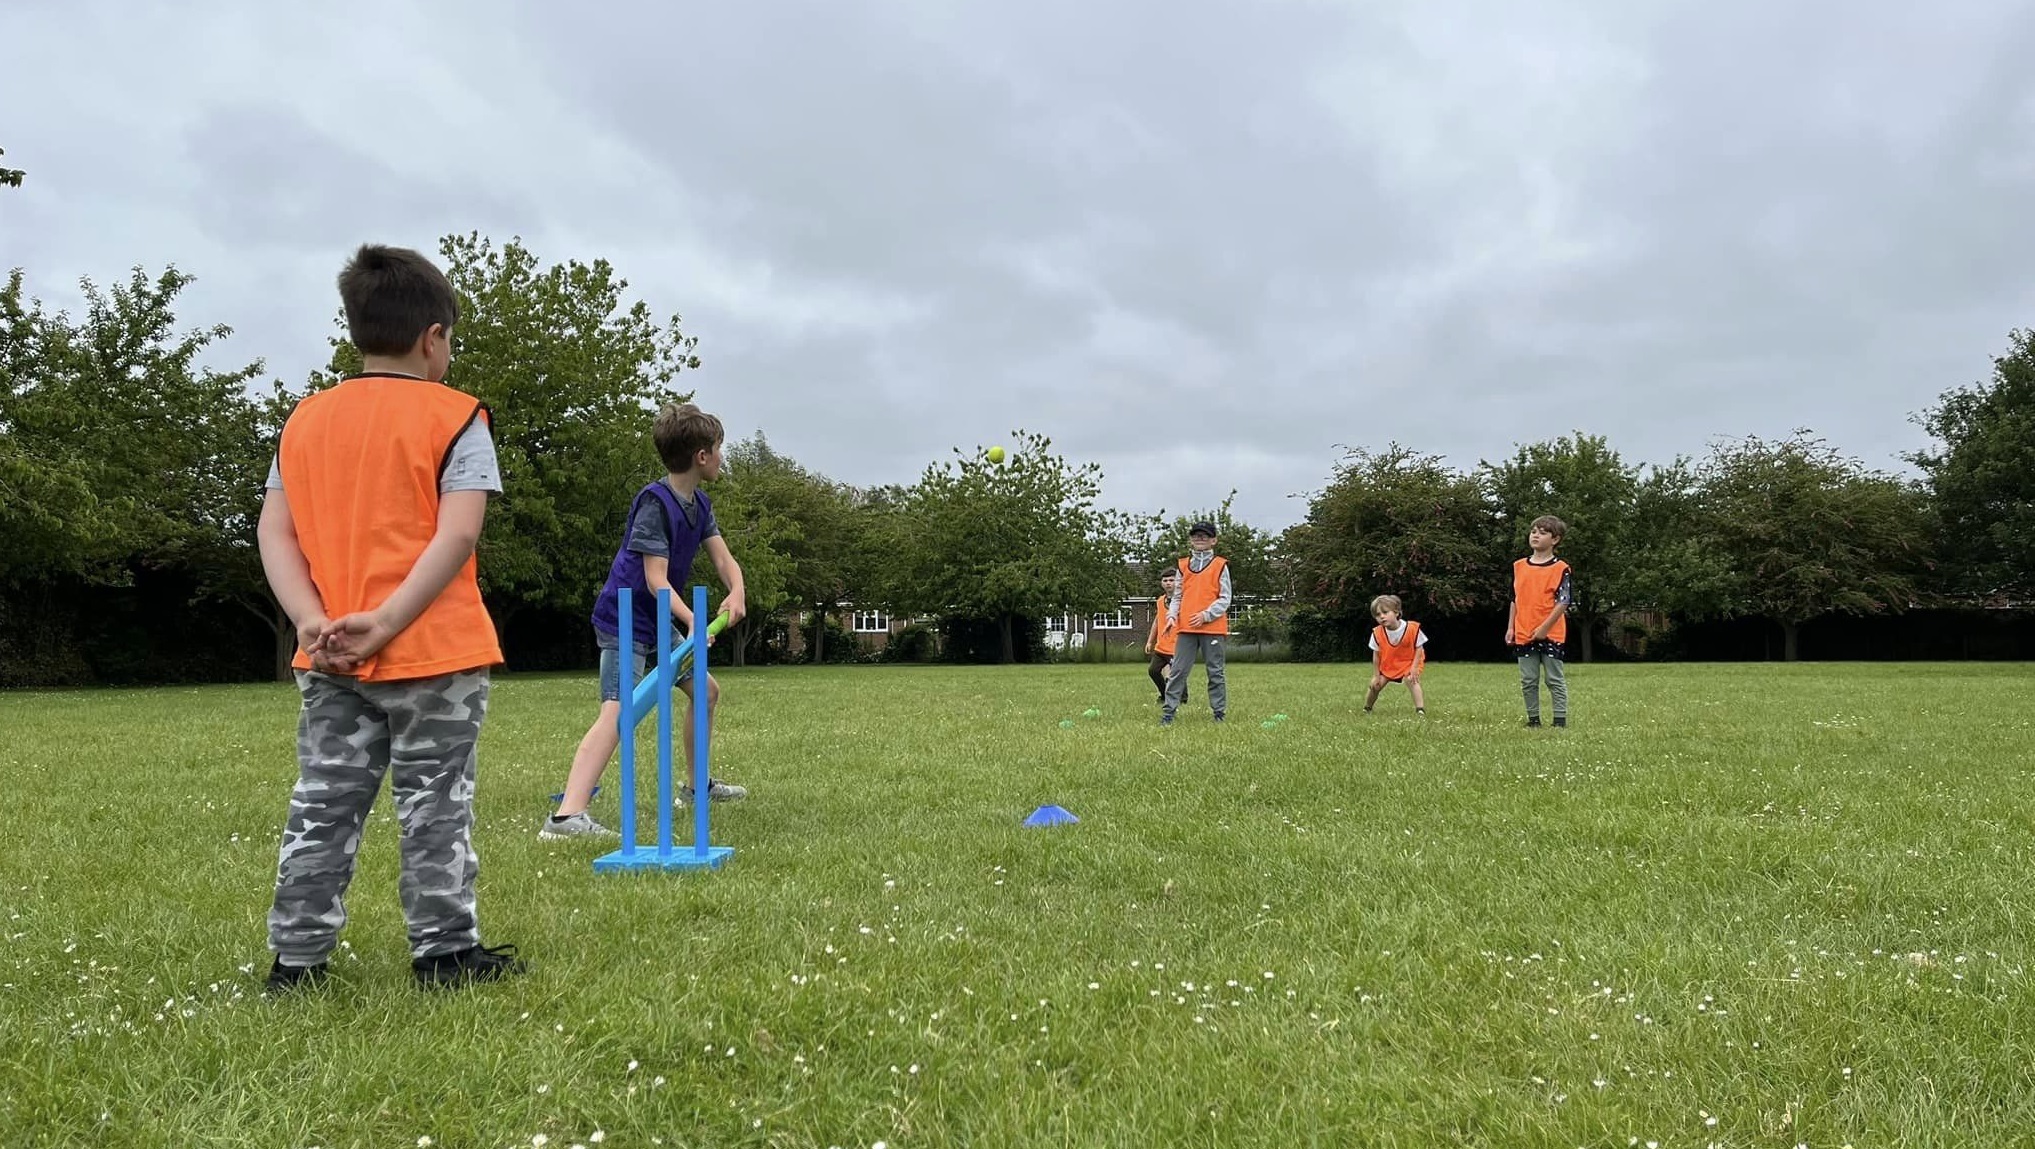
x=1733, y=905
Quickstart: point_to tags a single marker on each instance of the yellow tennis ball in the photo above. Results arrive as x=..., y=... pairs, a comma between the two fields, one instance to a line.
x=996, y=454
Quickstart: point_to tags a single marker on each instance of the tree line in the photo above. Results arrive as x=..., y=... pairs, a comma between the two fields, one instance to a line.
x=131, y=468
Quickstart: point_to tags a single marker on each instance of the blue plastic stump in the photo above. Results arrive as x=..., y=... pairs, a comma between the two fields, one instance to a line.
x=655, y=691
x=1050, y=816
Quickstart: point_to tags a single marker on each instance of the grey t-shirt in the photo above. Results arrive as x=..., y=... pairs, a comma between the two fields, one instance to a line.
x=472, y=467
x=650, y=533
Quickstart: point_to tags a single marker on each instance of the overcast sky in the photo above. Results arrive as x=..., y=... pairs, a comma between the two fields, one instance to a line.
x=1203, y=244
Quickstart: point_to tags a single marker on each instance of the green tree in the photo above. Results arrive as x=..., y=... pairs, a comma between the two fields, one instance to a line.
x=827, y=549
x=1582, y=481
x=572, y=373
x=1018, y=540
x=119, y=452
x=49, y=512
x=762, y=505
x=1805, y=531
x=1669, y=564
x=879, y=552
x=1982, y=478
x=141, y=439
x=1393, y=522
x=11, y=177
x=231, y=571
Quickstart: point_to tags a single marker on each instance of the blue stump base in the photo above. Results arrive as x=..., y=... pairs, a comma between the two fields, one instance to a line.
x=639, y=698
x=651, y=858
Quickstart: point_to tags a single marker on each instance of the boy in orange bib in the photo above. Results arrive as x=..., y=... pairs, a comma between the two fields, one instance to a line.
x=367, y=537
x=1160, y=643
x=1537, y=625
x=1200, y=616
x=1398, y=652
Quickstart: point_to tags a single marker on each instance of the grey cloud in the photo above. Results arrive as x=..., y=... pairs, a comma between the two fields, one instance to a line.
x=1266, y=229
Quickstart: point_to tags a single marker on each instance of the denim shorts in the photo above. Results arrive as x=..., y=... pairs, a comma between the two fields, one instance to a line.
x=611, y=669
x=611, y=663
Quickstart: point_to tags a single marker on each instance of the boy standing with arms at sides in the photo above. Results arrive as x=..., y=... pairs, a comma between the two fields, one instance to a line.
x=1537, y=624
x=670, y=522
x=1200, y=616
x=367, y=538
x=1161, y=643
x=1397, y=652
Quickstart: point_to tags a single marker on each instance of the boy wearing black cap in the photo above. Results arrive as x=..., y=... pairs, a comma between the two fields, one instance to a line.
x=1200, y=616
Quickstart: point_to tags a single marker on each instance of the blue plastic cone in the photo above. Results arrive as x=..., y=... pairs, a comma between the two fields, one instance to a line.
x=1050, y=816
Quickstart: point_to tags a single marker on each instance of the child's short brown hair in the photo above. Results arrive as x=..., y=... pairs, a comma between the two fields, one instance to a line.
x=681, y=432
x=1552, y=525
x=393, y=295
x=1387, y=602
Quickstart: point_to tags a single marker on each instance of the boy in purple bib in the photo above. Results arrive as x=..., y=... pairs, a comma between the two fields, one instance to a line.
x=670, y=522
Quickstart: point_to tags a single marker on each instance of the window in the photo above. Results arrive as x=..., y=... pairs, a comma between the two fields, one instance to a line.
x=1118, y=619
x=1056, y=622
x=871, y=622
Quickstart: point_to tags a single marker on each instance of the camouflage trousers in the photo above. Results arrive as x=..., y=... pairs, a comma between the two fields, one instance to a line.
x=422, y=733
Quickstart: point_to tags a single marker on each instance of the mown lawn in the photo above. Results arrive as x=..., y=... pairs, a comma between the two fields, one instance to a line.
x=1733, y=905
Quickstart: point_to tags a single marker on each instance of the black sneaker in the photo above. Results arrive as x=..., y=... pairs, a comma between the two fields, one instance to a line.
x=1561, y=723
x=1533, y=723
x=285, y=978
x=481, y=963
x=1218, y=718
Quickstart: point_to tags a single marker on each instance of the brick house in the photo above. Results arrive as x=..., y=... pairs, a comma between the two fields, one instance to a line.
x=873, y=629
x=1129, y=623
x=1126, y=626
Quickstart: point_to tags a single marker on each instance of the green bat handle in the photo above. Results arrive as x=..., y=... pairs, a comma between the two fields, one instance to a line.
x=715, y=627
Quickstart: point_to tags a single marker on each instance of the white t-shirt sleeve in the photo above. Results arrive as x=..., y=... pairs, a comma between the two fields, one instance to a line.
x=1374, y=640
x=473, y=465
x=1421, y=638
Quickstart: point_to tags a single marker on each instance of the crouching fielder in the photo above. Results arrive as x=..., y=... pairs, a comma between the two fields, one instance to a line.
x=1397, y=652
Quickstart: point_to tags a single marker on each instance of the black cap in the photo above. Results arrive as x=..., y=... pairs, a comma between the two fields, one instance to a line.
x=1202, y=528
